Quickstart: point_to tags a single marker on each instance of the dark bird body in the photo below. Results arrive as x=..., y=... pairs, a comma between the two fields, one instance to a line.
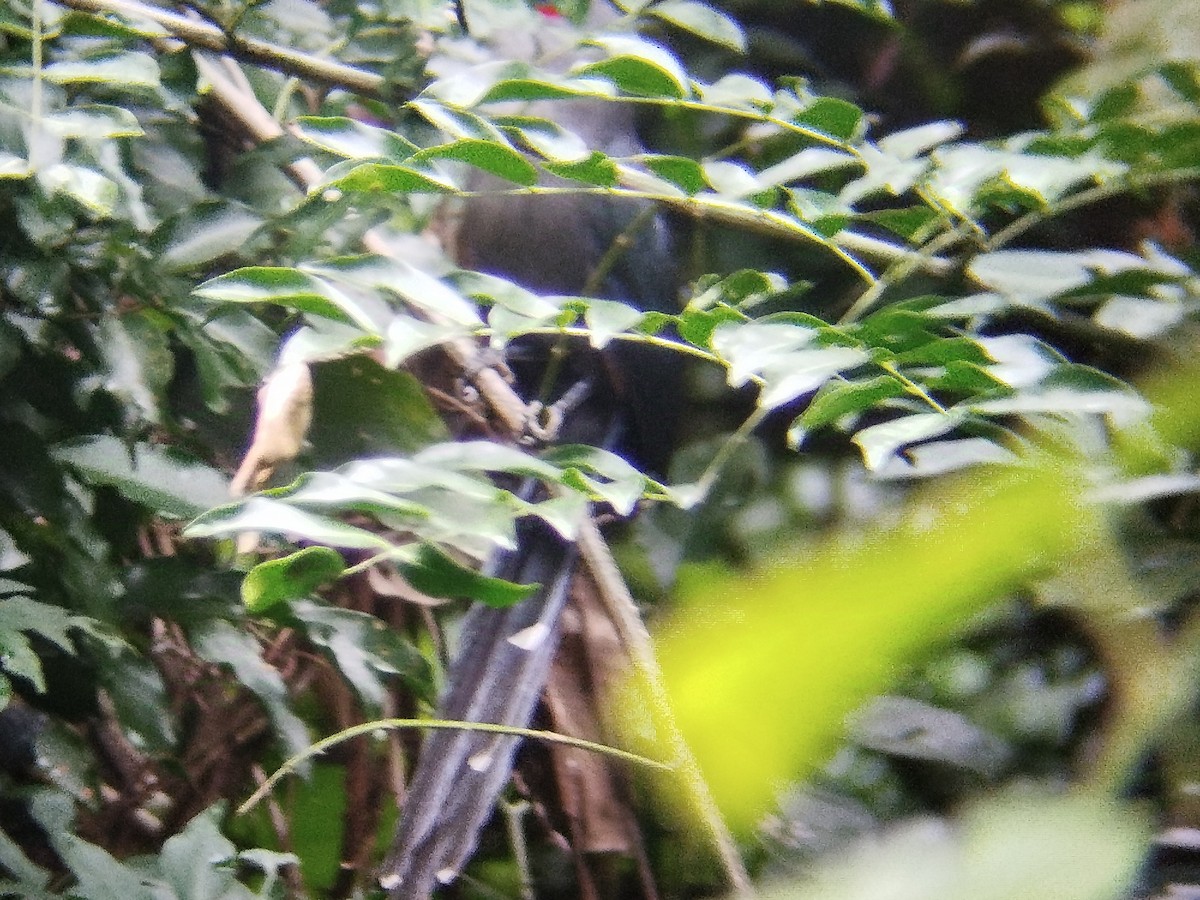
x=550, y=244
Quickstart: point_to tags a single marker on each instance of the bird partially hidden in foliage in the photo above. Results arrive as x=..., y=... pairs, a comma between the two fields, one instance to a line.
x=551, y=244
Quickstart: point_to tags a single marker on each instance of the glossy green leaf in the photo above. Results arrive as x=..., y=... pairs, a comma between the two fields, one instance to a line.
x=290, y=288
x=601, y=472
x=701, y=20
x=125, y=70
x=639, y=67
x=1071, y=389
x=607, y=318
x=1035, y=275
x=396, y=276
x=485, y=456
x=879, y=442
x=362, y=409
x=547, y=86
x=379, y=178
x=206, y=233
x=290, y=577
x=352, y=139
x=92, y=122
x=96, y=193
x=457, y=122
x=839, y=399
x=495, y=158
x=436, y=574
x=164, y=480
x=686, y=174
x=276, y=517
x=596, y=169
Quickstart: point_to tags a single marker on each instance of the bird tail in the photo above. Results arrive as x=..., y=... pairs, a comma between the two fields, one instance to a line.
x=502, y=664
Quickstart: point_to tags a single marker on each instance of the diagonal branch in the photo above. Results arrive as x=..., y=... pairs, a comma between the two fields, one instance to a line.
x=204, y=36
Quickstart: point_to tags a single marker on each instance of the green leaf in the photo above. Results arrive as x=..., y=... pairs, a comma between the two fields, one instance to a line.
x=96, y=193
x=205, y=233
x=738, y=91
x=199, y=861
x=276, y=517
x=379, y=178
x=879, y=442
x=366, y=650
x=686, y=174
x=221, y=643
x=163, y=479
x=436, y=574
x=99, y=874
x=290, y=577
x=92, y=122
x=639, y=67
x=596, y=169
x=836, y=118
x=362, y=409
x=547, y=86
x=548, y=139
x=122, y=70
x=607, y=318
x=140, y=698
x=701, y=20
x=457, y=122
x=352, y=139
x=289, y=288
x=838, y=399
x=822, y=629
x=336, y=492
x=415, y=286
x=1073, y=389
x=1071, y=846
x=619, y=483
x=495, y=158
x=486, y=456
x=1030, y=276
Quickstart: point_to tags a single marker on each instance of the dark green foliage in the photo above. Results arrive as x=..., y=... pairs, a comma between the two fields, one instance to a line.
x=896, y=301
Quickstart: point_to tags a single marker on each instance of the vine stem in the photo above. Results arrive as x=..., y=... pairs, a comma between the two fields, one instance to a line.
x=552, y=737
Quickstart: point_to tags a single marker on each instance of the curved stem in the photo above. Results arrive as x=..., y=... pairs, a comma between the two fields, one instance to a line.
x=552, y=737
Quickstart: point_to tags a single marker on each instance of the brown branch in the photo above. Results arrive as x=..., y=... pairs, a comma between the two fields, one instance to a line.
x=204, y=36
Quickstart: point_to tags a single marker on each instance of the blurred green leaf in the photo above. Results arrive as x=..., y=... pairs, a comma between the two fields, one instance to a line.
x=125, y=69
x=821, y=631
x=290, y=577
x=275, y=517
x=366, y=650
x=223, y=644
x=352, y=139
x=1014, y=847
x=165, y=480
x=438, y=575
x=286, y=287
x=702, y=20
